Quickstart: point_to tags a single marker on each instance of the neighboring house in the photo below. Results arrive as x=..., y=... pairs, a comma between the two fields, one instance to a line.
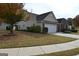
x=44, y=20
x=3, y=26
x=62, y=24
x=70, y=24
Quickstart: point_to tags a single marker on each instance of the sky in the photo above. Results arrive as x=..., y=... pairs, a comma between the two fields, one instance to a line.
x=60, y=8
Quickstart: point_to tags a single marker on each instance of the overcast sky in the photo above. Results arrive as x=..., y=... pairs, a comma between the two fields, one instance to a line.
x=61, y=8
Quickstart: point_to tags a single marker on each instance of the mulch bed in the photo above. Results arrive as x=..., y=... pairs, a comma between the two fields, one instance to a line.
x=6, y=36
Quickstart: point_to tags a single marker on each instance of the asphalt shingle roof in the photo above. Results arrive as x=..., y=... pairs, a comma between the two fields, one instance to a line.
x=42, y=16
x=61, y=19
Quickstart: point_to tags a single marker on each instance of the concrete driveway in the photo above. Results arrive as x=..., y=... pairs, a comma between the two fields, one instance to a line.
x=66, y=35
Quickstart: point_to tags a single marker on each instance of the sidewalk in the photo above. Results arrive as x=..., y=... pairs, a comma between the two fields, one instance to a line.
x=38, y=50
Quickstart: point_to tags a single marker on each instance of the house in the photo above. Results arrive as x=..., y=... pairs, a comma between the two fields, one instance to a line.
x=22, y=25
x=62, y=24
x=48, y=20
x=44, y=20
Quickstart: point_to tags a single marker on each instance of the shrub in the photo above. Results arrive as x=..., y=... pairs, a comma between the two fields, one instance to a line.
x=34, y=28
x=74, y=30
x=45, y=30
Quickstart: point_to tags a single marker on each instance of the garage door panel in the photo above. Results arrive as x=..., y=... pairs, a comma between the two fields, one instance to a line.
x=51, y=27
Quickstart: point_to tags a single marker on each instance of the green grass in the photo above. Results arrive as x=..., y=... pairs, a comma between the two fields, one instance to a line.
x=71, y=52
x=26, y=39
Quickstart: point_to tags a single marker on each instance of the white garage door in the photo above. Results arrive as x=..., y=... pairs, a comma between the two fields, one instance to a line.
x=51, y=27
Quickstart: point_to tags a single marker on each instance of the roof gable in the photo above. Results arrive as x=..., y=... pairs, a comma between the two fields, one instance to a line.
x=42, y=16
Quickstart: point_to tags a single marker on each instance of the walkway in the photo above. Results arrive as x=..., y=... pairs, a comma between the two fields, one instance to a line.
x=66, y=35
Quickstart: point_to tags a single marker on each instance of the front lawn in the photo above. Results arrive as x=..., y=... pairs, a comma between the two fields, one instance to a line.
x=71, y=52
x=27, y=39
x=77, y=33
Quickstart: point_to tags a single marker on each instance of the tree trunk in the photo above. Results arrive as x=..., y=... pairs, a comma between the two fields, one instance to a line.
x=11, y=29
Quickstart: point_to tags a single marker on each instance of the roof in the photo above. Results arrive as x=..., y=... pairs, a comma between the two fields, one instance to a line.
x=42, y=16
x=61, y=19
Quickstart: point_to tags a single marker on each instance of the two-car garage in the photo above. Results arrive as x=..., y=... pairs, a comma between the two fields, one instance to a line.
x=51, y=28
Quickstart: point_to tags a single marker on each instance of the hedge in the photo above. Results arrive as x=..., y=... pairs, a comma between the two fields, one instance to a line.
x=34, y=28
